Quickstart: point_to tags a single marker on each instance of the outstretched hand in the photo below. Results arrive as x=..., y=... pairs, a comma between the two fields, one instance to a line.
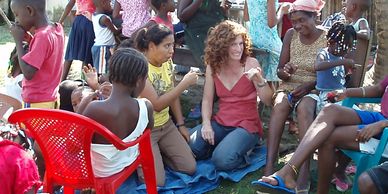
x=90, y=74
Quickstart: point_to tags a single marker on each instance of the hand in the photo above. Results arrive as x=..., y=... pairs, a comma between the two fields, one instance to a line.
x=190, y=78
x=90, y=74
x=105, y=90
x=300, y=91
x=349, y=63
x=285, y=8
x=339, y=94
x=17, y=32
x=254, y=74
x=369, y=131
x=290, y=68
x=184, y=132
x=208, y=134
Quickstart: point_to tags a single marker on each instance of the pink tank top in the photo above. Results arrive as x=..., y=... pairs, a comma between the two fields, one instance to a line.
x=238, y=106
x=168, y=23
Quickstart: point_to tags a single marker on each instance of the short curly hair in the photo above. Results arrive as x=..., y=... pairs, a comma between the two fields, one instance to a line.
x=218, y=42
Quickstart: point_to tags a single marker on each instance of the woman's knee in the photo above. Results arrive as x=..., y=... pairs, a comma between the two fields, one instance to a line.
x=226, y=160
x=189, y=167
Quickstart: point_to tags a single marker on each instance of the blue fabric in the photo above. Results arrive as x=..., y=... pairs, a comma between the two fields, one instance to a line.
x=369, y=117
x=266, y=187
x=231, y=145
x=207, y=177
x=333, y=78
x=264, y=38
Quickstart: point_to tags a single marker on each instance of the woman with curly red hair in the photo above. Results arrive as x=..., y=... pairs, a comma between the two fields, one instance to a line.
x=236, y=79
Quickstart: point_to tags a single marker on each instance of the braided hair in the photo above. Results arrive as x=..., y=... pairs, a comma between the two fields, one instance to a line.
x=126, y=66
x=344, y=35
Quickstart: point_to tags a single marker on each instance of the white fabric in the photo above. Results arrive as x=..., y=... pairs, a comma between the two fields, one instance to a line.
x=370, y=147
x=356, y=25
x=107, y=160
x=12, y=87
x=104, y=37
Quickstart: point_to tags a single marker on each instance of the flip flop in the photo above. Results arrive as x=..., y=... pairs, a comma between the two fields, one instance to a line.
x=273, y=189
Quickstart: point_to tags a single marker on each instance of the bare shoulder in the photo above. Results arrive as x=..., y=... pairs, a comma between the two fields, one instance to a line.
x=95, y=110
x=251, y=63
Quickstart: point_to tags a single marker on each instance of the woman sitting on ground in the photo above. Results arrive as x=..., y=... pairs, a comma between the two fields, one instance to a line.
x=236, y=79
x=168, y=140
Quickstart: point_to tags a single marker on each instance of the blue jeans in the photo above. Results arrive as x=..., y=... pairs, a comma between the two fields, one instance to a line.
x=230, y=148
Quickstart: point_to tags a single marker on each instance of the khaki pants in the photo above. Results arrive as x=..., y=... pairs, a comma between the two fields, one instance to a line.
x=169, y=146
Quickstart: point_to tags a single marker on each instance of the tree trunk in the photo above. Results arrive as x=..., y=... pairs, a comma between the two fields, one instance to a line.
x=381, y=11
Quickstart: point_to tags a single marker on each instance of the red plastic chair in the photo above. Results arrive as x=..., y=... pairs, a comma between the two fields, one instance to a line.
x=65, y=139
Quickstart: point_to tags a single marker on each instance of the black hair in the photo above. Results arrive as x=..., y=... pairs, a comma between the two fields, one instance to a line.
x=39, y=5
x=66, y=89
x=127, y=66
x=127, y=43
x=344, y=35
x=157, y=3
x=155, y=33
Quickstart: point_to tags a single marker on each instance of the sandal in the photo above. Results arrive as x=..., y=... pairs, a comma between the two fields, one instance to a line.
x=340, y=185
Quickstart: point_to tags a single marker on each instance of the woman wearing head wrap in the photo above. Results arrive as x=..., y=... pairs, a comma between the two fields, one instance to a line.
x=296, y=70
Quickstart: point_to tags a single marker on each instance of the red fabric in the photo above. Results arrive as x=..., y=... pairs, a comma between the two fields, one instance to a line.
x=286, y=23
x=85, y=7
x=238, y=107
x=45, y=54
x=384, y=100
x=168, y=23
x=18, y=171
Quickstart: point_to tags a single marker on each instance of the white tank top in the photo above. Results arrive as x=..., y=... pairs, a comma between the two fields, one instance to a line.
x=107, y=160
x=104, y=37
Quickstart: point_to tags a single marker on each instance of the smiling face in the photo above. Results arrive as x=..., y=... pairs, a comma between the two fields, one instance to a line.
x=302, y=22
x=236, y=49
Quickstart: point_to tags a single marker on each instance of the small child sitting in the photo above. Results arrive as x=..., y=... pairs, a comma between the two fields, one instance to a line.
x=123, y=113
x=105, y=32
x=331, y=62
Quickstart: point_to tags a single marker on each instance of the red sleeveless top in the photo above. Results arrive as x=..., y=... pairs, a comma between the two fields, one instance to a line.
x=238, y=106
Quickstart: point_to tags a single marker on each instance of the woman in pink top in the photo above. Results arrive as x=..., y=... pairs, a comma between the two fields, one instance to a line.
x=236, y=79
x=135, y=13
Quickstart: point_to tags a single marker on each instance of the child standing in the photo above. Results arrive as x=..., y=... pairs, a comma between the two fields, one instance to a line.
x=81, y=37
x=135, y=14
x=105, y=32
x=42, y=64
x=163, y=9
x=331, y=61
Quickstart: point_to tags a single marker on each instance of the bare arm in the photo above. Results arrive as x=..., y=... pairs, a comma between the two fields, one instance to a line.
x=67, y=10
x=208, y=97
x=161, y=102
x=105, y=21
x=322, y=64
x=285, y=55
x=150, y=110
x=263, y=89
x=187, y=8
x=271, y=14
x=374, y=91
x=116, y=10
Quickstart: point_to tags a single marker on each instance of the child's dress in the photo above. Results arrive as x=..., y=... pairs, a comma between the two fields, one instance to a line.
x=81, y=37
x=329, y=79
x=136, y=13
x=264, y=38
